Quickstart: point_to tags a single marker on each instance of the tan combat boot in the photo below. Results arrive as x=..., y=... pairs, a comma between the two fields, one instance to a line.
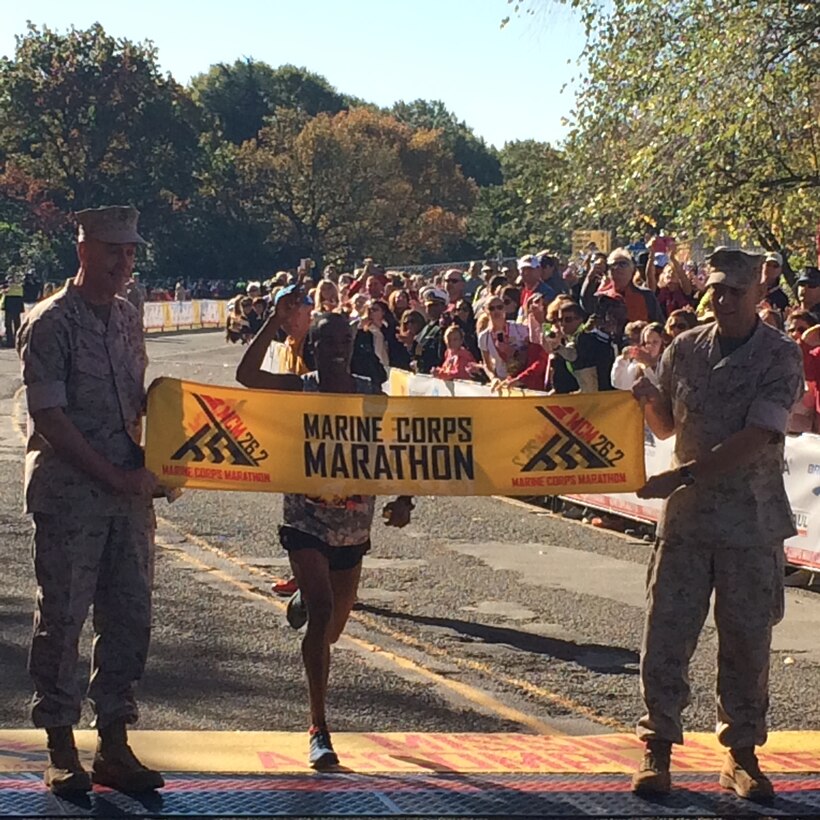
x=117, y=767
x=64, y=774
x=741, y=772
x=653, y=777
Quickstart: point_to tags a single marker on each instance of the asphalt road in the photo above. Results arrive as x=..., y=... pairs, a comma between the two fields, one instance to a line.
x=482, y=615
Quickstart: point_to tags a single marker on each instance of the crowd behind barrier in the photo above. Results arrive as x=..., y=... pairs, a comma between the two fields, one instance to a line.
x=801, y=474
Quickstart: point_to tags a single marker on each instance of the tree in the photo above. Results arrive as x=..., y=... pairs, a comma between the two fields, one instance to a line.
x=702, y=115
x=478, y=161
x=88, y=120
x=217, y=235
x=529, y=210
x=240, y=97
x=355, y=184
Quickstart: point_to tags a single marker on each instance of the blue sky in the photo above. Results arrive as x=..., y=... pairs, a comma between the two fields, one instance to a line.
x=505, y=83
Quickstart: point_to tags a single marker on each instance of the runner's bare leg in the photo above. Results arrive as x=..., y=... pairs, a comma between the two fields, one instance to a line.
x=313, y=574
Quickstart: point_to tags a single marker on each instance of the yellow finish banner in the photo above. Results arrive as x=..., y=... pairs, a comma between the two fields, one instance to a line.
x=228, y=438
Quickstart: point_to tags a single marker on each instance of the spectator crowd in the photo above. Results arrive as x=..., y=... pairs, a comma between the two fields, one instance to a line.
x=599, y=324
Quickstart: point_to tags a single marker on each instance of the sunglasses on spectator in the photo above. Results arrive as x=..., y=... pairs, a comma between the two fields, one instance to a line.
x=453, y=281
x=569, y=317
x=796, y=329
x=496, y=308
x=619, y=263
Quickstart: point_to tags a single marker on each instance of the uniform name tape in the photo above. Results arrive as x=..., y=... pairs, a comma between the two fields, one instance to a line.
x=227, y=438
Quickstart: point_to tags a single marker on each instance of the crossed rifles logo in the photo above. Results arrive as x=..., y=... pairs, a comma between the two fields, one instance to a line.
x=223, y=436
x=567, y=449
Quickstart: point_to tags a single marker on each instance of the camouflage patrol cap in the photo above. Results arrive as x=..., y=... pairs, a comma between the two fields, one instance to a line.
x=734, y=268
x=116, y=224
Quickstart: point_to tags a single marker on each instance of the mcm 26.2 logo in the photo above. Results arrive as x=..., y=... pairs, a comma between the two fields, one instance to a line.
x=572, y=443
x=223, y=437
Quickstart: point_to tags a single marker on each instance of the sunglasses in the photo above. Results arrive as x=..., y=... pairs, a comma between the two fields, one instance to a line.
x=452, y=281
x=620, y=263
x=496, y=308
x=570, y=318
x=795, y=329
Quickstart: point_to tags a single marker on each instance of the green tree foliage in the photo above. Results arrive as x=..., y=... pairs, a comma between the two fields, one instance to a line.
x=703, y=115
x=529, y=209
x=240, y=97
x=478, y=161
x=338, y=188
x=87, y=119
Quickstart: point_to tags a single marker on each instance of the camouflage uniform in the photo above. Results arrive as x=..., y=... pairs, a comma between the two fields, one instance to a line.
x=91, y=546
x=135, y=294
x=724, y=534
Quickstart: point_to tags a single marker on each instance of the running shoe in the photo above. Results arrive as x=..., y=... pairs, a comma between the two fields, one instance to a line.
x=284, y=587
x=297, y=611
x=321, y=755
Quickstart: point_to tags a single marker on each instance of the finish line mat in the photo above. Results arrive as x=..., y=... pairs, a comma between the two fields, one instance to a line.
x=411, y=753
x=263, y=774
x=435, y=795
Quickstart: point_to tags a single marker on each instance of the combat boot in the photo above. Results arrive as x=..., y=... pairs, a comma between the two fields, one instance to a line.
x=64, y=774
x=653, y=777
x=741, y=773
x=117, y=767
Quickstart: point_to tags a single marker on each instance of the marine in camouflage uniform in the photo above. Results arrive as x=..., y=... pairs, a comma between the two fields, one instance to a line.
x=720, y=530
x=93, y=541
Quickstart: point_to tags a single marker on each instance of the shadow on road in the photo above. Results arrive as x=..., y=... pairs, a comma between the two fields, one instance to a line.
x=609, y=660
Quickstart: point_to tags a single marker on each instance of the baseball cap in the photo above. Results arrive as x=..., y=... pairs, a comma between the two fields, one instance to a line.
x=809, y=276
x=433, y=294
x=773, y=256
x=528, y=261
x=661, y=260
x=291, y=289
x=734, y=268
x=619, y=253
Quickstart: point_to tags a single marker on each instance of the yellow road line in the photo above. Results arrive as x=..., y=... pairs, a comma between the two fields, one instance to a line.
x=482, y=668
x=470, y=693
x=531, y=689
